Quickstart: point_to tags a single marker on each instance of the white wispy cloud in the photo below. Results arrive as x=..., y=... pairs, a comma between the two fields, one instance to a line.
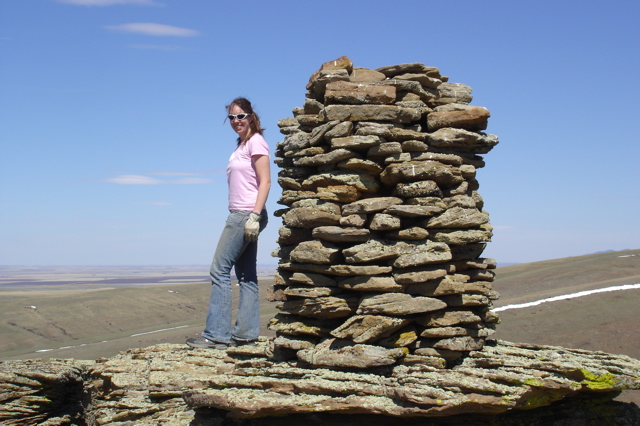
x=148, y=180
x=109, y=2
x=134, y=180
x=153, y=29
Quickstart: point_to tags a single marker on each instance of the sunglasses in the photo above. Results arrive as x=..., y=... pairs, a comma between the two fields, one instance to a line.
x=232, y=117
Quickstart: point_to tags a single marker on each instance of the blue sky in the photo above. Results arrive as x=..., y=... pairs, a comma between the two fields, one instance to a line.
x=113, y=146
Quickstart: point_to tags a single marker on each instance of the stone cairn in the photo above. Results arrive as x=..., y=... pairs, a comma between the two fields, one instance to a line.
x=383, y=227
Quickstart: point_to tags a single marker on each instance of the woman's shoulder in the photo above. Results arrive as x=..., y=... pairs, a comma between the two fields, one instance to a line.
x=257, y=137
x=257, y=142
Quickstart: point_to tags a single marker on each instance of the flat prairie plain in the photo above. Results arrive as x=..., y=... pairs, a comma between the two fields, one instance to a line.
x=94, y=312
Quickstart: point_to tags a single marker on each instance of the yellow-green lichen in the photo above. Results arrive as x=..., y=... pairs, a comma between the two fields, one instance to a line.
x=533, y=382
x=604, y=381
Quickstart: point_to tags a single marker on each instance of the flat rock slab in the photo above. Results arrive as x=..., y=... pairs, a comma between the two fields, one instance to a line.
x=42, y=392
x=501, y=377
x=173, y=384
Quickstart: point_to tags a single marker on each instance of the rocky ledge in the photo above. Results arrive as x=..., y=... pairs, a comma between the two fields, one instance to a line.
x=171, y=384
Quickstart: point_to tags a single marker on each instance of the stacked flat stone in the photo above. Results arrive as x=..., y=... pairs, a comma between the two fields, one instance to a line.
x=383, y=227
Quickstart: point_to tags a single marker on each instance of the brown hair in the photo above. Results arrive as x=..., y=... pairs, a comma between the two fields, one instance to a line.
x=245, y=105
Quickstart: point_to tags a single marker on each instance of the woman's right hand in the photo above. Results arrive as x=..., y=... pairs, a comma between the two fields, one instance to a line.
x=252, y=227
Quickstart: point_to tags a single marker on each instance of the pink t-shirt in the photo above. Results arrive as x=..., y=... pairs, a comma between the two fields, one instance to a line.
x=241, y=173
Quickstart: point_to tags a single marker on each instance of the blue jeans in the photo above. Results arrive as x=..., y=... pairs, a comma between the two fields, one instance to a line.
x=234, y=250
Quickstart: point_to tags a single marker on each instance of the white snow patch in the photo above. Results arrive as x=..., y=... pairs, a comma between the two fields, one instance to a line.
x=568, y=296
x=157, y=331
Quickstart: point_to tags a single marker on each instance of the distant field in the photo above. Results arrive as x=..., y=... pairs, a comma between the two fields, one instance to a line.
x=102, y=277
x=88, y=313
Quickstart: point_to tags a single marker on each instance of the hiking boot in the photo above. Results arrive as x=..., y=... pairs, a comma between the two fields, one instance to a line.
x=235, y=342
x=203, y=342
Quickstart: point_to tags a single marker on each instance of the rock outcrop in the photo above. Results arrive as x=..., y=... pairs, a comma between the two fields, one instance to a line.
x=385, y=301
x=383, y=231
x=176, y=385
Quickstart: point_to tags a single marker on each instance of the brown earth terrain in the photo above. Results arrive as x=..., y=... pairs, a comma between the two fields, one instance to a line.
x=607, y=321
x=94, y=312
x=73, y=313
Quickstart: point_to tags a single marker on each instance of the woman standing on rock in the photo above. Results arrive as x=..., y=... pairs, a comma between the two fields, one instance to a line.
x=249, y=181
